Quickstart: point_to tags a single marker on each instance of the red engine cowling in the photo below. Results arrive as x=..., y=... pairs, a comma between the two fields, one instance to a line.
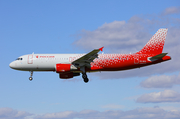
x=61, y=68
x=65, y=71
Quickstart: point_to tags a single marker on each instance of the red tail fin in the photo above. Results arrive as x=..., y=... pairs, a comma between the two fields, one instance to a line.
x=155, y=44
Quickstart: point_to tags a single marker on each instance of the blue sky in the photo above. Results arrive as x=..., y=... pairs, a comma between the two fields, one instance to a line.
x=79, y=27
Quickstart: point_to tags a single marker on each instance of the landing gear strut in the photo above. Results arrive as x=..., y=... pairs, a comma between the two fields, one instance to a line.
x=30, y=78
x=84, y=76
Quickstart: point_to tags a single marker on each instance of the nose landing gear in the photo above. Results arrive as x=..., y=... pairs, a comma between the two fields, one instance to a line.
x=30, y=78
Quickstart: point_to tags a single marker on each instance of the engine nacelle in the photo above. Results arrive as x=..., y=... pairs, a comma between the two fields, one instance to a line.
x=62, y=68
x=68, y=75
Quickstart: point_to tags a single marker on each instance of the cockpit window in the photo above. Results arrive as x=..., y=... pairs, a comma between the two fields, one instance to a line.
x=19, y=59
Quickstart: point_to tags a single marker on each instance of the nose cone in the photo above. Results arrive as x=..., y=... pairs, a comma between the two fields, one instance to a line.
x=12, y=65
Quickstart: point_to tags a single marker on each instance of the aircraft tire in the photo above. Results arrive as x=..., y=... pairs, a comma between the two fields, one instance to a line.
x=86, y=80
x=30, y=78
x=84, y=76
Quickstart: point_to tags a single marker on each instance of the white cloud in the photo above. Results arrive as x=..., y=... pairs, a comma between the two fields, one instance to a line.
x=171, y=108
x=171, y=10
x=59, y=115
x=139, y=113
x=159, y=97
x=115, y=35
x=162, y=81
x=8, y=113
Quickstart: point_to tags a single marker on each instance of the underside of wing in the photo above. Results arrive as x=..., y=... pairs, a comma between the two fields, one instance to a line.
x=85, y=60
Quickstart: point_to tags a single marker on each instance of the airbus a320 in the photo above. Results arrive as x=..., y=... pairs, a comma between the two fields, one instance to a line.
x=71, y=65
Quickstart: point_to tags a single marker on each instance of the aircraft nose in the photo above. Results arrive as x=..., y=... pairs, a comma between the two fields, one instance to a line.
x=12, y=65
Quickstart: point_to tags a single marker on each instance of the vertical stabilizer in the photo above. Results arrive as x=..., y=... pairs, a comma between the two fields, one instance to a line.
x=155, y=44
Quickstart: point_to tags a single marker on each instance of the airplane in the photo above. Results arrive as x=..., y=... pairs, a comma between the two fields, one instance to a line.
x=71, y=65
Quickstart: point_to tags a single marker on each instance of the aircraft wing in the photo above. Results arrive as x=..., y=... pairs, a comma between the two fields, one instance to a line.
x=85, y=60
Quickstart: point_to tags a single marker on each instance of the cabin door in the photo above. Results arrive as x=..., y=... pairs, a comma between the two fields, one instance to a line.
x=30, y=59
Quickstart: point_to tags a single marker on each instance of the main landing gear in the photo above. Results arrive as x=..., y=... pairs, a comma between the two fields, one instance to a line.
x=84, y=76
x=30, y=78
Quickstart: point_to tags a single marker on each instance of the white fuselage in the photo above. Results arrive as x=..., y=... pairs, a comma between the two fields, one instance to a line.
x=42, y=62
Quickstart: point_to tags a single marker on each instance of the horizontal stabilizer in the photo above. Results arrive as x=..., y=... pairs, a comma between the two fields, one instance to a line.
x=160, y=56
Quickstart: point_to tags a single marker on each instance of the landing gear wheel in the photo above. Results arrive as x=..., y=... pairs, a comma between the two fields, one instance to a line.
x=84, y=76
x=30, y=78
x=86, y=80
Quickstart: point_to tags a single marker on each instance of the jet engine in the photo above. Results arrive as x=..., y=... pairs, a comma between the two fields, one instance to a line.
x=68, y=75
x=62, y=68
